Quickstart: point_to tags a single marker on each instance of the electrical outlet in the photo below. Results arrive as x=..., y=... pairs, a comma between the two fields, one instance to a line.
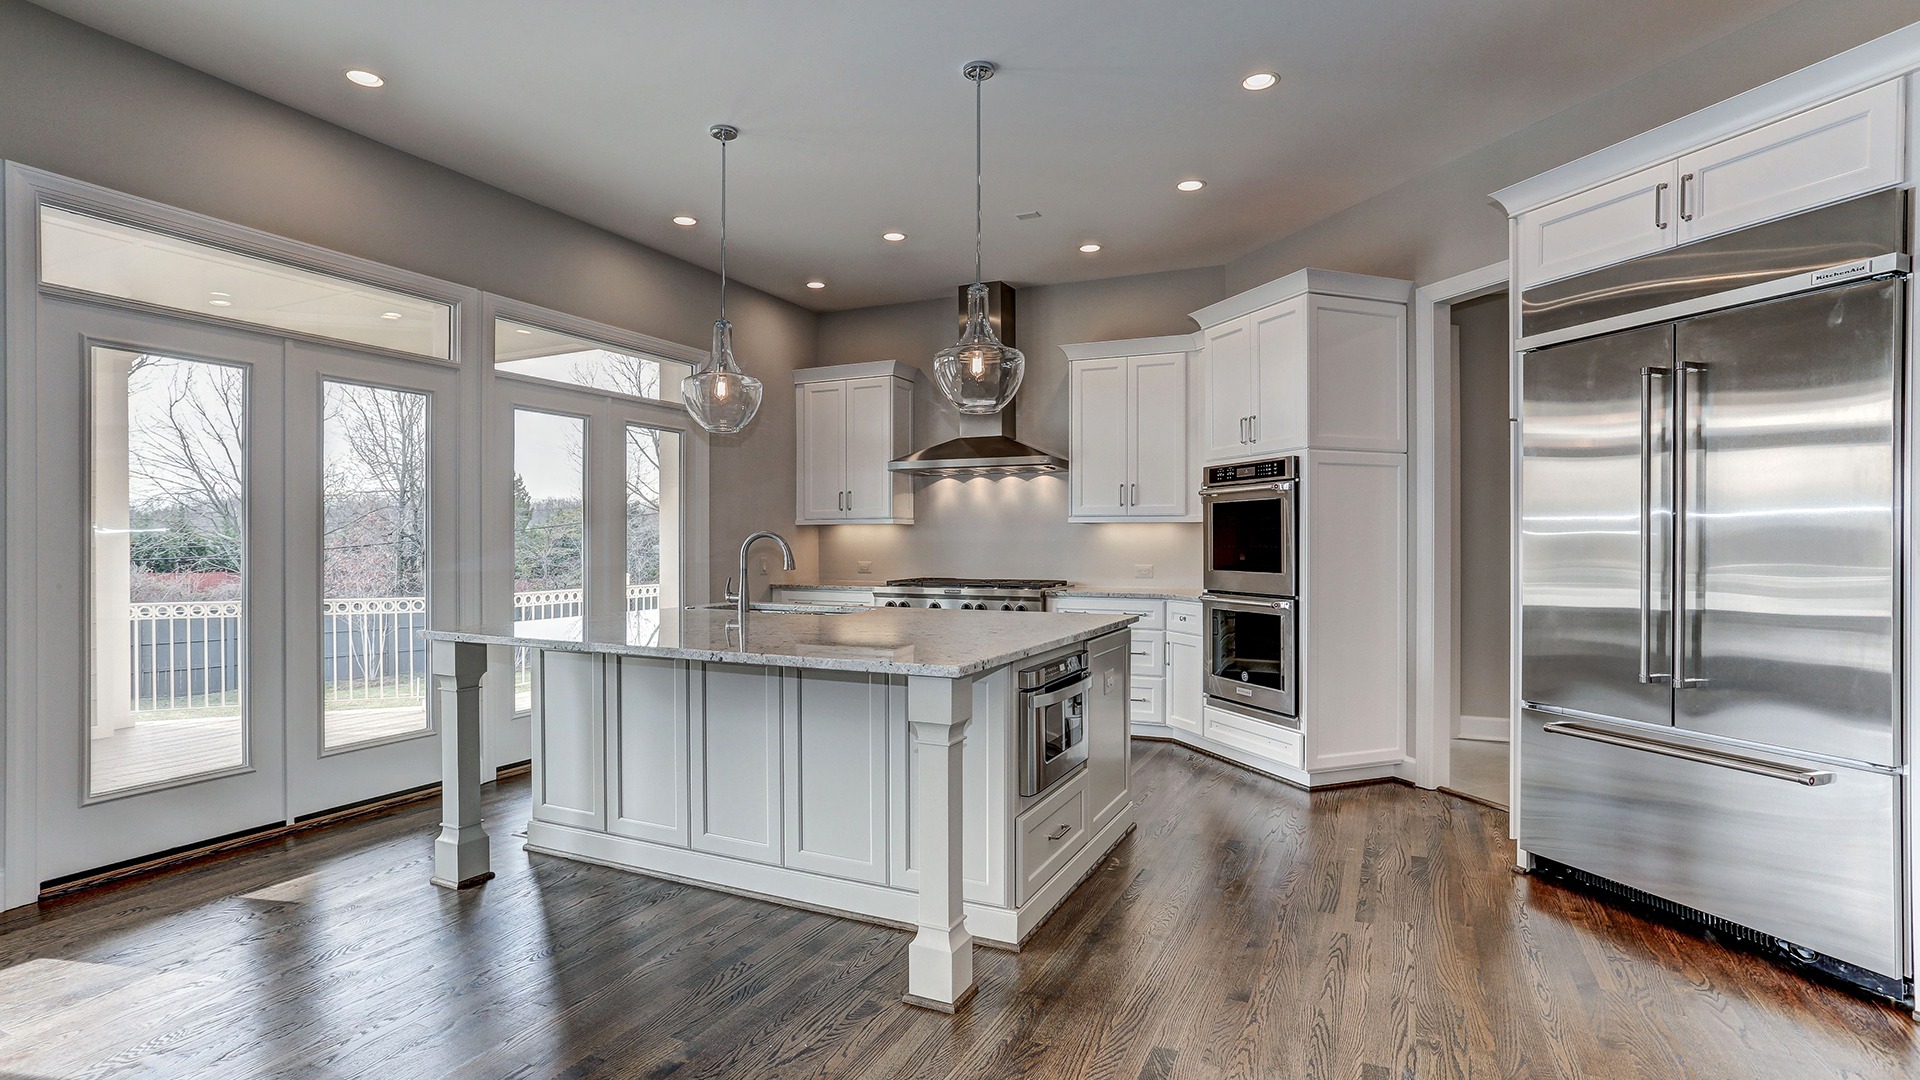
x=1144, y=570
x=1107, y=684
x=865, y=566
x=763, y=566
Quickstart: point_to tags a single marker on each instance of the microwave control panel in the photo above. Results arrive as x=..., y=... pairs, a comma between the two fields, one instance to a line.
x=1252, y=472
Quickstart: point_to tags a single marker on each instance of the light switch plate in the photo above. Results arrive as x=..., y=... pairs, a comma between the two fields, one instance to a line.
x=1143, y=570
x=763, y=566
x=1107, y=686
x=865, y=566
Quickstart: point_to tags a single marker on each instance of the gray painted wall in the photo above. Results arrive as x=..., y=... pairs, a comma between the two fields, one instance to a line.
x=1441, y=223
x=1483, y=482
x=89, y=106
x=1015, y=526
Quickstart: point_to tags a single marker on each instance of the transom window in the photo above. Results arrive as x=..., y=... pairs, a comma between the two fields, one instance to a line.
x=539, y=353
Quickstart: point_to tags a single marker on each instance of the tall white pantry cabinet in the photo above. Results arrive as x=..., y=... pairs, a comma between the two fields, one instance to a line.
x=1315, y=365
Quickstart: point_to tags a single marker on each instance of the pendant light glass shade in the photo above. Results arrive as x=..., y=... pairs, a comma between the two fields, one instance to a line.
x=719, y=396
x=978, y=373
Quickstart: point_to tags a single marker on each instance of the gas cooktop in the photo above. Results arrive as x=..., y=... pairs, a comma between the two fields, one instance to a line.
x=966, y=594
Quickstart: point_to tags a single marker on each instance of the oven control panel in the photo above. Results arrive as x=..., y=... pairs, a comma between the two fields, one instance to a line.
x=1252, y=472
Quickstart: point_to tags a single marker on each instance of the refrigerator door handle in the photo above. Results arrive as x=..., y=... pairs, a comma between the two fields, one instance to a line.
x=1736, y=762
x=1647, y=562
x=1685, y=432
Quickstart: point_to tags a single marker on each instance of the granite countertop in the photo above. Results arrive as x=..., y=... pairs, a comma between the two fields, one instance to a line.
x=1129, y=592
x=855, y=586
x=892, y=641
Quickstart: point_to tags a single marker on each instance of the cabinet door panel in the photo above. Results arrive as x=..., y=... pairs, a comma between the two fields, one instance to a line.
x=1098, y=418
x=1108, y=740
x=1359, y=396
x=1280, y=377
x=823, y=451
x=1162, y=479
x=1841, y=149
x=1229, y=360
x=647, y=752
x=736, y=762
x=869, y=446
x=836, y=775
x=568, y=731
x=1184, y=693
x=1618, y=220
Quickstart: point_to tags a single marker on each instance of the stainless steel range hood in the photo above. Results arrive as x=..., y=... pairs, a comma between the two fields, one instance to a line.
x=986, y=443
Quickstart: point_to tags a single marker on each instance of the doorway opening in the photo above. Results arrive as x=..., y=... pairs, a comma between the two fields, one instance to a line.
x=1481, y=717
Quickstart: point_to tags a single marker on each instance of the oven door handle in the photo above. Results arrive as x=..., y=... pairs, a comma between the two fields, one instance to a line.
x=1243, y=492
x=1237, y=604
x=1040, y=699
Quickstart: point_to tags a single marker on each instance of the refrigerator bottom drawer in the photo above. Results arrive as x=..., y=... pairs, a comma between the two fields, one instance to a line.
x=1815, y=866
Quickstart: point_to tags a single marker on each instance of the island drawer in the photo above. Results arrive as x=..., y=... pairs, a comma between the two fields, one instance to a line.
x=1184, y=616
x=1143, y=701
x=1052, y=832
x=1153, y=613
x=1148, y=653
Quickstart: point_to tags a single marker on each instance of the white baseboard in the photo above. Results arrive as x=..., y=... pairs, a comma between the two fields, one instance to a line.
x=1486, y=728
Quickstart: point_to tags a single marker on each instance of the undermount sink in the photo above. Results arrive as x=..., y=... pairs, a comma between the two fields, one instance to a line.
x=784, y=609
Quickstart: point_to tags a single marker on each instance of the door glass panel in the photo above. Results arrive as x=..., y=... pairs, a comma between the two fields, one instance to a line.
x=374, y=564
x=1249, y=647
x=167, y=524
x=549, y=533
x=536, y=352
x=653, y=505
x=1249, y=536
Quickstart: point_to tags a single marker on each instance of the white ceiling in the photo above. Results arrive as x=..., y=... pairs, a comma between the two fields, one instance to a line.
x=855, y=119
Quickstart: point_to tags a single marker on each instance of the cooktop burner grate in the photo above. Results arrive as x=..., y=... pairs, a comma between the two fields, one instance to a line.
x=1024, y=584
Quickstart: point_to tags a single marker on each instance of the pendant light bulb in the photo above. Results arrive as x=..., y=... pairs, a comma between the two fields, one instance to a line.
x=719, y=396
x=979, y=373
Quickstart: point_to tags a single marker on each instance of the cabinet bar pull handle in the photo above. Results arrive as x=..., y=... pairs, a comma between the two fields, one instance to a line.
x=1123, y=494
x=1686, y=213
x=1060, y=832
x=1659, y=219
x=1253, y=428
x=1739, y=763
x=1133, y=495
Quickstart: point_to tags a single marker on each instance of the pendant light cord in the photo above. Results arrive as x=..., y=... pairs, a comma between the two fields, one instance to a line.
x=978, y=182
x=723, y=228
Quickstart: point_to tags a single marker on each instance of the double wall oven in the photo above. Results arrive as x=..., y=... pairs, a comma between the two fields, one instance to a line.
x=1251, y=575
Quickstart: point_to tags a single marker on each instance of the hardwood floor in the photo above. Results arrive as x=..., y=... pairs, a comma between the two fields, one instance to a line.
x=1245, y=929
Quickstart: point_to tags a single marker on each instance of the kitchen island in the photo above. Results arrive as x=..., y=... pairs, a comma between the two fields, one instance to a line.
x=867, y=764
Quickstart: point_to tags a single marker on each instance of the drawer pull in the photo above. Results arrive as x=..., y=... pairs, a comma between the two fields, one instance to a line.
x=1138, y=700
x=1060, y=832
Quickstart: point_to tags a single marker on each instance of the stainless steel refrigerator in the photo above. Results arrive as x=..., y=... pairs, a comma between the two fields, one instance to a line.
x=1711, y=537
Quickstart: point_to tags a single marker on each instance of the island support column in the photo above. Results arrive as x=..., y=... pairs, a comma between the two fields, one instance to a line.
x=940, y=960
x=460, y=855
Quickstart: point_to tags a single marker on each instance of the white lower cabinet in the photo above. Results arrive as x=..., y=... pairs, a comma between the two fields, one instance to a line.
x=1277, y=744
x=1109, y=742
x=736, y=725
x=1052, y=832
x=1147, y=653
x=569, y=784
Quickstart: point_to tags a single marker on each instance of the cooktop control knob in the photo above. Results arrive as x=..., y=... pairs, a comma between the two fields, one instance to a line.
x=933, y=603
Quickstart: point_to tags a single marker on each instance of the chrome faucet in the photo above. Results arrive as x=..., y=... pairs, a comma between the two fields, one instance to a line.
x=740, y=597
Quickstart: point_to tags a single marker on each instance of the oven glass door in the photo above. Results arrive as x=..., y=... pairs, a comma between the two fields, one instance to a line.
x=1250, y=539
x=1250, y=653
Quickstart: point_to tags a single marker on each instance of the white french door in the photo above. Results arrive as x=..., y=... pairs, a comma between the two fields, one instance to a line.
x=160, y=678
x=370, y=491
x=249, y=530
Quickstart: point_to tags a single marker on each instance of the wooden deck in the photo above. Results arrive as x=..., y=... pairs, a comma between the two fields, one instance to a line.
x=159, y=749
x=1246, y=929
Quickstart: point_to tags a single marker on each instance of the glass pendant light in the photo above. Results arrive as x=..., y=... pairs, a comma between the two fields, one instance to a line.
x=720, y=396
x=978, y=373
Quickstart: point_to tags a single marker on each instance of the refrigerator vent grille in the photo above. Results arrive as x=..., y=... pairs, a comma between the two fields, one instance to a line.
x=1731, y=933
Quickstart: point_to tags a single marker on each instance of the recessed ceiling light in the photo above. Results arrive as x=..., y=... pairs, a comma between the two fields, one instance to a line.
x=1259, y=80
x=816, y=284
x=217, y=302
x=1191, y=185
x=521, y=330
x=390, y=315
x=686, y=220
x=893, y=237
x=363, y=77
x=1089, y=248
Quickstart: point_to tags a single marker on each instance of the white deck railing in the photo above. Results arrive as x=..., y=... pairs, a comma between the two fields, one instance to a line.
x=187, y=655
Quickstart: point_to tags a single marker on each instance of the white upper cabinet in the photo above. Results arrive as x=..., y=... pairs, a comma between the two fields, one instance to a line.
x=1838, y=150
x=1317, y=359
x=853, y=419
x=1847, y=147
x=1131, y=431
x=1617, y=221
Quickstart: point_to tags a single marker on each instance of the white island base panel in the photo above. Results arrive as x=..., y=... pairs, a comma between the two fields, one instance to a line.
x=990, y=925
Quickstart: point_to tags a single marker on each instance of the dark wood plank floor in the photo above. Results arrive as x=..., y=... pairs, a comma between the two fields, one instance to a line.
x=1245, y=929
